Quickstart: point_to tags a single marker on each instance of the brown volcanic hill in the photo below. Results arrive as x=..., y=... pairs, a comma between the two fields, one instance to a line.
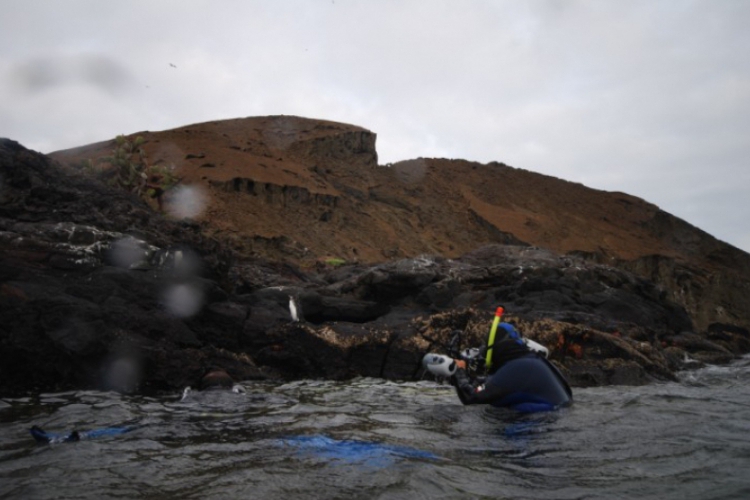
x=296, y=189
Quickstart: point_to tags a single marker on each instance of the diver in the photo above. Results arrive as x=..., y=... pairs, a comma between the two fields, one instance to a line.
x=214, y=378
x=518, y=374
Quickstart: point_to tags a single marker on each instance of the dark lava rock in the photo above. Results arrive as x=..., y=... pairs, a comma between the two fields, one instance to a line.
x=91, y=291
x=98, y=290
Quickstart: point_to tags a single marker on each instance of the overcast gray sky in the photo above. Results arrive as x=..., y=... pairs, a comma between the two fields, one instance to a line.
x=647, y=97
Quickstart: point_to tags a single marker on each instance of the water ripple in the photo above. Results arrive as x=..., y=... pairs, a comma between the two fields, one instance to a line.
x=369, y=438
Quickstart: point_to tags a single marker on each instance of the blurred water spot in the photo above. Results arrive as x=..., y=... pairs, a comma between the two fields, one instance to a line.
x=44, y=73
x=183, y=300
x=282, y=132
x=410, y=171
x=128, y=252
x=186, y=202
x=167, y=153
x=183, y=261
x=123, y=373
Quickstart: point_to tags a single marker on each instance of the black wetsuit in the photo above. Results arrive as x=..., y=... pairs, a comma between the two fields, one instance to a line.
x=523, y=380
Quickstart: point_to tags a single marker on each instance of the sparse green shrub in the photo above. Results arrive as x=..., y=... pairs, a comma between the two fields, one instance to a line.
x=128, y=168
x=334, y=261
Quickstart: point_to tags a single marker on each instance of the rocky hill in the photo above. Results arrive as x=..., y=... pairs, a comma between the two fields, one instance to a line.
x=301, y=190
x=100, y=289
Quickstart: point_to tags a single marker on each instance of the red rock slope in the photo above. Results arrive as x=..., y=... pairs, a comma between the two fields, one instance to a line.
x=302, y=190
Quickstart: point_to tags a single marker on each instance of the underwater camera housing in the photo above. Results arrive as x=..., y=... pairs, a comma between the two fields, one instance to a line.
x=439, y=365
x=442, y=365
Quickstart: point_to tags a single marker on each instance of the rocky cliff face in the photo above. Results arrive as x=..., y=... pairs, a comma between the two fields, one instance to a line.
x=300, y=190
x=97, y=289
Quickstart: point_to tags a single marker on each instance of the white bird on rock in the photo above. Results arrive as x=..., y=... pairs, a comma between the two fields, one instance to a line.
x=293, y=309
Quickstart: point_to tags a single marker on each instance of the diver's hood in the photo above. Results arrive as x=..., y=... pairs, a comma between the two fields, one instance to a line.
x=506, y=330
x=512, y=346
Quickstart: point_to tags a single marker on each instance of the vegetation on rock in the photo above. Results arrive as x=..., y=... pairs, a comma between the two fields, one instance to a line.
x=128, y=168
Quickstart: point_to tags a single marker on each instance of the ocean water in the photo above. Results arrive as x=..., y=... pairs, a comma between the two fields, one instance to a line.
x=369, y=438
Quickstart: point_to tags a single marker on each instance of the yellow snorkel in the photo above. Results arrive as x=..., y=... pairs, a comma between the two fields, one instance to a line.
x=491, y=342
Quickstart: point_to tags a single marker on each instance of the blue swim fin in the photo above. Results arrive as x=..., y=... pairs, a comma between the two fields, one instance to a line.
x=42, y=436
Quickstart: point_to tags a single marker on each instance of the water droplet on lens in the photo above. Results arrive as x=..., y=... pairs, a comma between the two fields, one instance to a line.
x=186, y=202
x=127, y=252
x=183, y=300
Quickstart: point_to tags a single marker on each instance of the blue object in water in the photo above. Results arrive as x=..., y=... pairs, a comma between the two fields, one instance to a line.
x=353, y=451
x=42, y=436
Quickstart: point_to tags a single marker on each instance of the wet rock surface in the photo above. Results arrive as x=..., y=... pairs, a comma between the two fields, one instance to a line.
x=98, y=290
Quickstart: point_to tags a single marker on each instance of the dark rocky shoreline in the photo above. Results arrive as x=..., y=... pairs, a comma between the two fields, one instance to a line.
x=99, y=291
